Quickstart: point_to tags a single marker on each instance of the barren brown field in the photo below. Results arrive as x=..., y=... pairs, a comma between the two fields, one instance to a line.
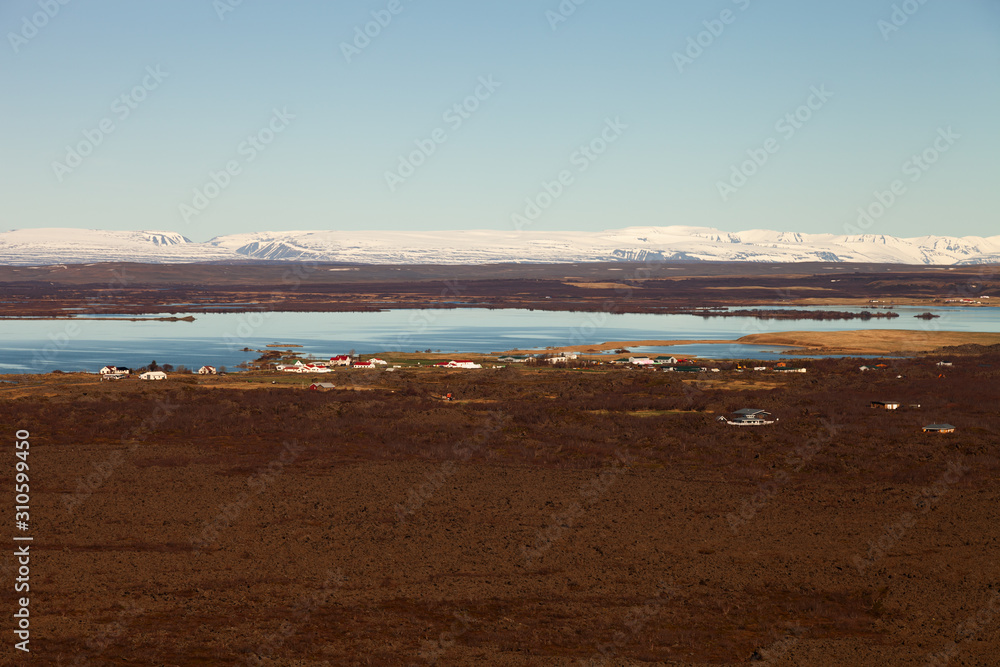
x=547, y=517
x=873, y=341
x=860, y=341
x=123, y=288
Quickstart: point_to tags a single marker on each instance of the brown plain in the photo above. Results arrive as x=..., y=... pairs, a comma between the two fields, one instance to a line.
x=503, y=528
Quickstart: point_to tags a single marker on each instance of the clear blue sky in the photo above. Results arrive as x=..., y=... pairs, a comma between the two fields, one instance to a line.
x=687, y=126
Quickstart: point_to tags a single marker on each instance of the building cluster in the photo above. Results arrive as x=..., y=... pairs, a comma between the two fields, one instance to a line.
x=123, y=373
x=342, y=360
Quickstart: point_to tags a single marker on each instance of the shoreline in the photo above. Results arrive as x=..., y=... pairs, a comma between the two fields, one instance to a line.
x=857, y=341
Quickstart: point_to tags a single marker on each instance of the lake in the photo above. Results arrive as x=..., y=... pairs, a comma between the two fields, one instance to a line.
x=37, y=346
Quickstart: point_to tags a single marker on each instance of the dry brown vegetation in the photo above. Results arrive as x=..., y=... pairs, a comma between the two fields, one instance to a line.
x=873, y=341
x=547, y=516
x=619, y=287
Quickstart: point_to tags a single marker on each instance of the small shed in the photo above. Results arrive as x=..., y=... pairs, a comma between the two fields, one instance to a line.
x=939, y=428
x=322, y=386
x=886, y=405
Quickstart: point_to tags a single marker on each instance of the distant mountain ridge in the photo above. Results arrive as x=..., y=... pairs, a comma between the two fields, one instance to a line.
x=676, y=243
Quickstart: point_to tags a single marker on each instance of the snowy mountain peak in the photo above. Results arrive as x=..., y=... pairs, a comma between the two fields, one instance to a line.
x=672, y=243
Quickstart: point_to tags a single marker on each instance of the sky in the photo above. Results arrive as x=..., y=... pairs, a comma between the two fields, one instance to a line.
x=215, y=117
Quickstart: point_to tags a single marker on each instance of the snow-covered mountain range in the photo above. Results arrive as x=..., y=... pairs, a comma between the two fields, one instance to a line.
x=57, y=246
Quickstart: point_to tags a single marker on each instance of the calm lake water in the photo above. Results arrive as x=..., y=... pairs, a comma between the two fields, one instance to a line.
x=36, y=346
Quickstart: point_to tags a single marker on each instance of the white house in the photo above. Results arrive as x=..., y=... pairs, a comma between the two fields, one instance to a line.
x=459, y=364
x=153, y=375
x=298, y=367
x=114, y=370
x=559, y=358
x=207, y=370
x=380, y=362
x=364, y=364
x=515, y=358
x=341, y=360
x=315, y=368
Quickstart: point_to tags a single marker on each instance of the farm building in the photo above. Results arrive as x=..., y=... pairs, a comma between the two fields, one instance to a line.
x=207, y=370
x=789, y=369
x=316, y=368
x=113, y=376
x=939, y=428
x=665, y=360
x=364, y=364
x=886, y=405
x=321, y=386
x=378, y=362
x=153, y=375
x=115, y=370
x=749, y=417
x=640, y=361
x=458, y=364
x=515, y=358
x=341, y=360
